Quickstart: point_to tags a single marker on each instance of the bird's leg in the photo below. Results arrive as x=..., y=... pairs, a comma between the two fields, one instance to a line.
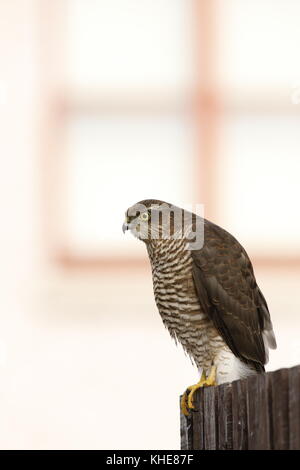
x=187, y=398
x=203, y=382
x=211, y=379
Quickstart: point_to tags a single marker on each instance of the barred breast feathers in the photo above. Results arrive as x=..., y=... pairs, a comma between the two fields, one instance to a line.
x=177, y=301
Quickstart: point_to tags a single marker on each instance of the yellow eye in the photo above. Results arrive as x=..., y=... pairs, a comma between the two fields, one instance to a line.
x=144, y=216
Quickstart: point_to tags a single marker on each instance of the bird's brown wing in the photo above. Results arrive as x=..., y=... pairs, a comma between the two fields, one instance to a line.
x=229, y=295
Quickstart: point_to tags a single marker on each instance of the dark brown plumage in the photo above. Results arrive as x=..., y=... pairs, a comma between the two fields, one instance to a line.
x=229, y=295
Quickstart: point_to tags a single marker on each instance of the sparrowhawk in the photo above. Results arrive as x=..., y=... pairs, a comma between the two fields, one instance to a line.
x=207, y=295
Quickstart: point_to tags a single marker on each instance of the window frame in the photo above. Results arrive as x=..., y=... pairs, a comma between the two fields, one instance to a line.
x=207, y=104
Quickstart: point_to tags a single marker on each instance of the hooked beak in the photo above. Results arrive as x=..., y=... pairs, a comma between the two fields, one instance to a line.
x=125, y=227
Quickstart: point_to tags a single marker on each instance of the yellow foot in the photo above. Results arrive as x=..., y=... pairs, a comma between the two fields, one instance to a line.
x=187, y=398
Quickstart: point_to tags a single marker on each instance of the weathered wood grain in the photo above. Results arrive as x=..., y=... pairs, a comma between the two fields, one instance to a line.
x=239, y=415
x=198, y=421
x=210, y=418
x=279, y=396
x=260, y=412
x=224, y=417
x=258, y=421
x=294, y=408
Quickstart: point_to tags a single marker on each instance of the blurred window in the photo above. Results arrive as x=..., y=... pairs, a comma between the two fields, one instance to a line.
x=130, y=72
x=257, y=176
x=129, y=133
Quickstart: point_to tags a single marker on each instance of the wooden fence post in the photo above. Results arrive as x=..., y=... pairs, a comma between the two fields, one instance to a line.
x=260, y=412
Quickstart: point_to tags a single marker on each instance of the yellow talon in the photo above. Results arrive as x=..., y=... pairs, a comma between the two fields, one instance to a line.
x=187, y=397
x=192, y=389
x=183, y=404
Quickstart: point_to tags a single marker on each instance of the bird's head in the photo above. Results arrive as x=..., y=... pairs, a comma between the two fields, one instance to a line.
x=151, y=220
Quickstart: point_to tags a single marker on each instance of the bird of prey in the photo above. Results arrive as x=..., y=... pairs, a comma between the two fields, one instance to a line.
x=207, y=295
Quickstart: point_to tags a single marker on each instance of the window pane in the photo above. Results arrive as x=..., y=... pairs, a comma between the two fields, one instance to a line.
x=114, y=162
x=130, y=43
x=258, y=43
x=258, y=182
